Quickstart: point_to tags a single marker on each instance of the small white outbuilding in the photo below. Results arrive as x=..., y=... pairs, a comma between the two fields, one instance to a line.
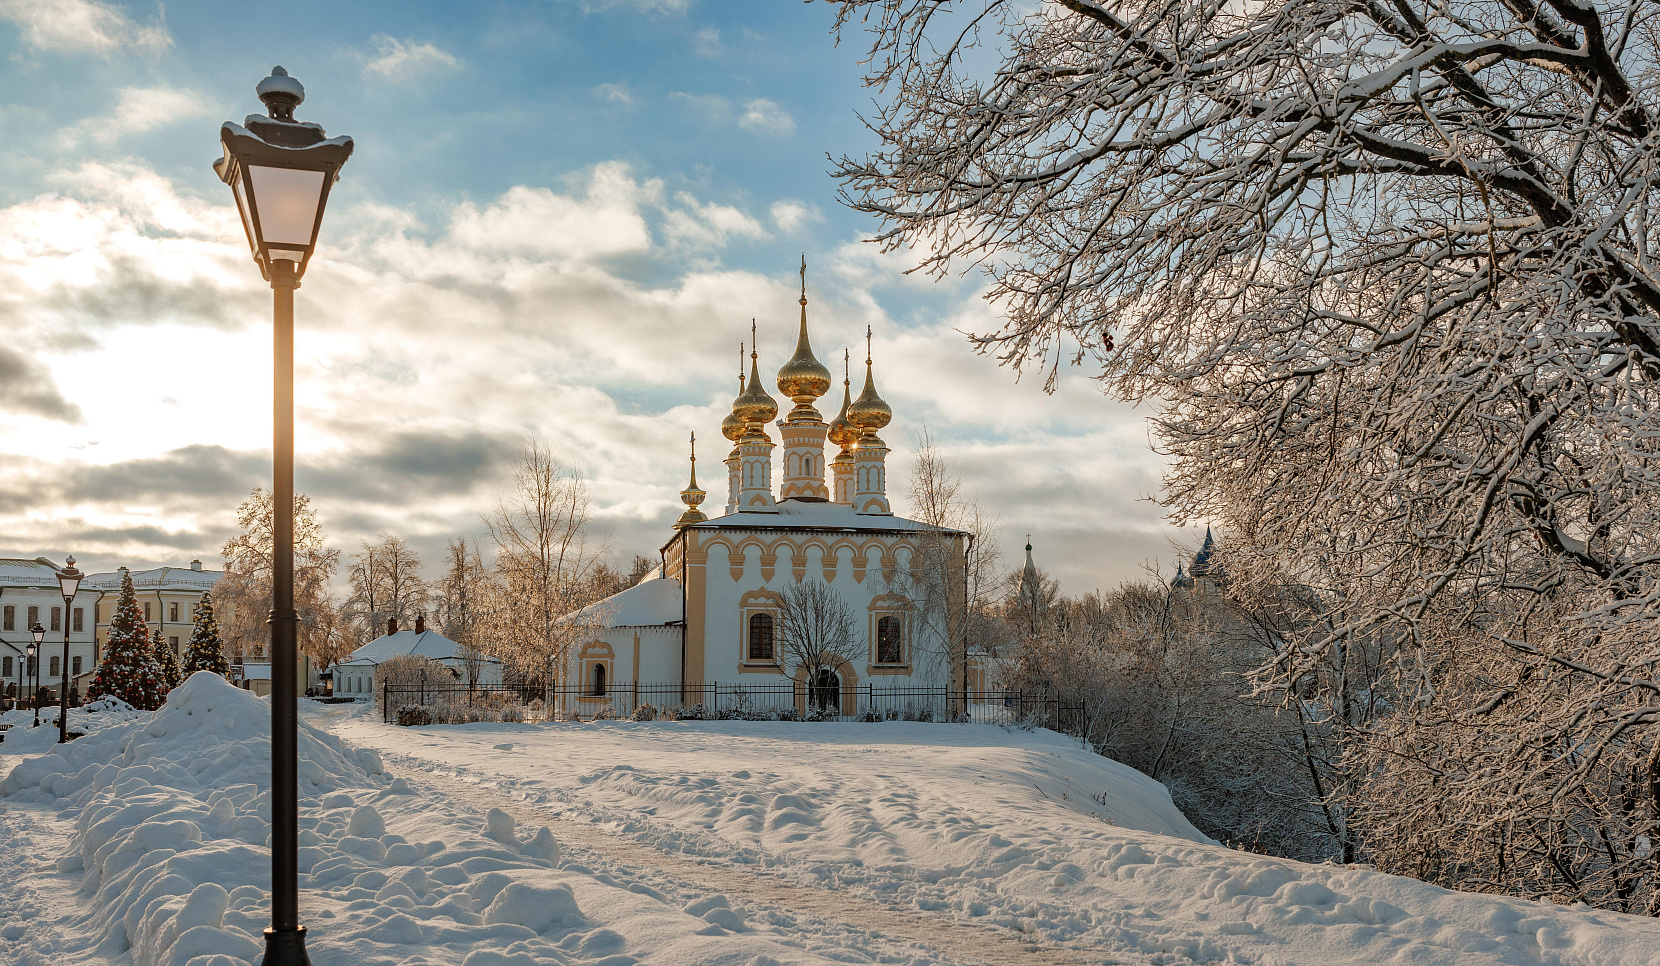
x=356, y=674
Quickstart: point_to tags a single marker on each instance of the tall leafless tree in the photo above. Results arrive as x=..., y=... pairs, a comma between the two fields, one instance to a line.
x=544, y=565
x=952, y=575
x=1388, y=270
x=817, y=635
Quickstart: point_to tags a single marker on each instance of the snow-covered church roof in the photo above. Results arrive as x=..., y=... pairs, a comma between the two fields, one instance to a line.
x=652, y=602
x=812, y=515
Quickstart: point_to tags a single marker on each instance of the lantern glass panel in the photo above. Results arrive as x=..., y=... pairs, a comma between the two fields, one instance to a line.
x=247, y=217
x=288, y=200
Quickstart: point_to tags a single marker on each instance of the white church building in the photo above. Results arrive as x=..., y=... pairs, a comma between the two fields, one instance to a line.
x=711, y=614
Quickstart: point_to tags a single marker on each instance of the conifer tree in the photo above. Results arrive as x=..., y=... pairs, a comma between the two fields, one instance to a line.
x=166, y=661
x=206, y=652
x=129, y=670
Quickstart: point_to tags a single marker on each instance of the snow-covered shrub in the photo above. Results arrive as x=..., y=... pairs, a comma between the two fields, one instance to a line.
x=869, y=715
x=604, y=713
x=785, y=714
x=646, y=712
x=817, y=713
x=515, y=713
x=918, y=712
x=691, y=712
x=414, y=714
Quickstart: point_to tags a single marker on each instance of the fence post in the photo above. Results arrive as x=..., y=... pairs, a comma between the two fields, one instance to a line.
x=385, y=712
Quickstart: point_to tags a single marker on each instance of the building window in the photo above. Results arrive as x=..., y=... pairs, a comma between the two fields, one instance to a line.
x=34, y=618
x=56, y=668
x=890, y=642
x=598, y=681
x=6, y=668
x=760, y=637
x=8, y=618
x=34, y=668
x=146, y=610
x=173, y=643
x=57, y=619
x=173, y=612
x=75, y=665
x=77, y=619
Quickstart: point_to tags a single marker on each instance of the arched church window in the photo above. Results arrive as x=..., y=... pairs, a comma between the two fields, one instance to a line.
x=599, y=680
x=760, y=637
x=890, y=644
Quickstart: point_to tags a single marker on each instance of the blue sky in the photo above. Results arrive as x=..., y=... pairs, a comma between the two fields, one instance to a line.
x=559, y=219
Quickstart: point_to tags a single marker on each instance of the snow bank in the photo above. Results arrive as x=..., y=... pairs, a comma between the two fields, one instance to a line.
x=166, y=818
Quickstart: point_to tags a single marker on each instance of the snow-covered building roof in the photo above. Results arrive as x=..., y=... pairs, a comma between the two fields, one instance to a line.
x=429, y=644
x=161, y=578
x=813, y=515
x=39, y=572
x=652, y=602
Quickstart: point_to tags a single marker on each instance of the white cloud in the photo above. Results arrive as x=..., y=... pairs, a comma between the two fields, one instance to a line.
x=605, y=221
x=706, y=42
x=615, y=92
x=765, y=117
x=82, y=25
x=137, y=110
x=395, y=59
x=670, y=7
x=791, y=216
x=707, y=225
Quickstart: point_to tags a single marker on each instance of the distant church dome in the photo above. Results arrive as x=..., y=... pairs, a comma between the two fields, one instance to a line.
x=733, y=425
x=755, y=407
x=869, y=412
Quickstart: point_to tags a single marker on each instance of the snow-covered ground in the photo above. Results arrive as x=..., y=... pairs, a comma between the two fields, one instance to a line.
x=750, y=843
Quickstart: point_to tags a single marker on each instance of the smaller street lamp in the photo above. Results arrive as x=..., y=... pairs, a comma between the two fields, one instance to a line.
x=69, y=581
x=39, y=634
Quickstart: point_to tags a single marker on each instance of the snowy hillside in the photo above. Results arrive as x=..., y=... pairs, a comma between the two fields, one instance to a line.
x=749, y=843
x=1020, y=831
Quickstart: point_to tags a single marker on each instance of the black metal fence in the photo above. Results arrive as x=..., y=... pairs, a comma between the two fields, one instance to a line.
x=786, y=701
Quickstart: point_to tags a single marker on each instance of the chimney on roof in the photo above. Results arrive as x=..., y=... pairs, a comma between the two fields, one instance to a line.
x=196, y=565
x=420, y=623
x=391, y=625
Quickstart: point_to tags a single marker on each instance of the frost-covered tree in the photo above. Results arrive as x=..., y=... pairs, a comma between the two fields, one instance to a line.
x=544, y=565
x=128, y=670
x=167, y=663
x=205, y=652
x=244, y=593
x=386, y=584
x=1388, y=272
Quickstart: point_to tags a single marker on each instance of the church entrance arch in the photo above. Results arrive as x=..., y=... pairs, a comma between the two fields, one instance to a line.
x=825, y=694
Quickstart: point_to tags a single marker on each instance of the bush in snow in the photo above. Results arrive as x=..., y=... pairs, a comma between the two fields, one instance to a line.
x=646, y=712
x=414, y=714
x=605, y=713
x=691, y=712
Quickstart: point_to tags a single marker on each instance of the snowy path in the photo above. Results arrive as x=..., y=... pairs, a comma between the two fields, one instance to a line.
x=883, y=931
x=978, y=843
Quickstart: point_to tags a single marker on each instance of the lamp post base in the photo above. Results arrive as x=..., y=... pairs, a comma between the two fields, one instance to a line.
x=285, y=948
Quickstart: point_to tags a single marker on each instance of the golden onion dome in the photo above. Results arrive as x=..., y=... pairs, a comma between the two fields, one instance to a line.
x=692, y=495
x=733, y=425
x=842, y=432
x=803, y=378
x=869, y=413
x=755, y=407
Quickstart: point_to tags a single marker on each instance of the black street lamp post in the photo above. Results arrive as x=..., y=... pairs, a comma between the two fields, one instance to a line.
x=281, y=170
x=69, y=581
x=39, y=634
